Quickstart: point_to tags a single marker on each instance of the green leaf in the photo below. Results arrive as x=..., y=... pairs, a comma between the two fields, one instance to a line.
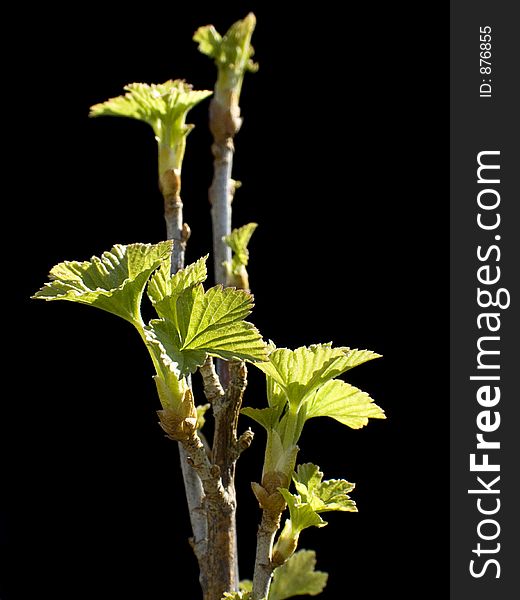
x=164, y=106
x=237, y=596
x=267, y=417
x=275, y=394
x=160, y=339
x=245, y=585
x=279, y=457
x=238, y=241
x=114, y=282
x=297, y=577
x=233, y=51
x=163, y=284
x=345, y=403
x=323, y=496
x=246, y=589
x=201, y=411
x=302, y=514
x=197, y=324
x=299, y=372
x=162, y=335
x=216, y=325
x=209, y=40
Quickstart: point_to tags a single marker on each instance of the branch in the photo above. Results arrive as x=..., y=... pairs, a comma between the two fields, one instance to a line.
x=272, y=504
x=226, y=410
x=194, y=495
x=220, y=196
x=212, y=387
x=232, y=54
x=225, y=121
x=264, y=565
x=209, y=473
x=176, y=230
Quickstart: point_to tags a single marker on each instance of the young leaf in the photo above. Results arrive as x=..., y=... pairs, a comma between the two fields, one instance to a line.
x=198, y=324
x=232, y=52
x=302, y=514
x=209, y=40
x=238, y=241
x=201, y=411
x=323, y=496
x=267, y=417
x=279, y=457
x=163, y=336
x=345, y=403
x=114, y=282
x=245, y=587
x=163, y=106
x=160, y=340
x=275, y=394
x=163, y=284
x=299, y=372
x=297, y=577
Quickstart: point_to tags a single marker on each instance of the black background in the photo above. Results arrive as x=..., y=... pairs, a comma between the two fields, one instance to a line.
x=342, y=157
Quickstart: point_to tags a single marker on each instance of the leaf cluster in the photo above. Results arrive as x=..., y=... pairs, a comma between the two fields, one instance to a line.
x=192, y=324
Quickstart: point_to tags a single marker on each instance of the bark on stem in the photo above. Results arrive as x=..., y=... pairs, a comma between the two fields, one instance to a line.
x=212, y=388
x=194, y=495
x=264, y=565
x=222, y=533
x=222, y=542
x=224, y=123
x=220, y=194
x=178, y=231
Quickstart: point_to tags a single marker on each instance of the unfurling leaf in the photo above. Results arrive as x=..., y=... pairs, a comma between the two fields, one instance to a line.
x=201, y=411
x=297, y=577
x=163, y=106
x=323, y=496
x=209, y=40
x=299, y=372
x=314, y=496
x=300, y=386
x=197, y=324
x=233, y=51
x=163, y=284
x=245, y=587
x=238, y=241
x=114, y=282
x=302, y=515
x=345, y=403
x=267, y=417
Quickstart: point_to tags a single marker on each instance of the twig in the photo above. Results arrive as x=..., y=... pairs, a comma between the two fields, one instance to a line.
x=194, y=495
x=264, y=565
x=212, y=387
x=222, y=524
x=232, y=54
x=178, y=231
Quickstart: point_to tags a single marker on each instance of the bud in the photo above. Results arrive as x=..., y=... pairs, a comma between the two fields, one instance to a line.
x=180, y=424
x=286, y=544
